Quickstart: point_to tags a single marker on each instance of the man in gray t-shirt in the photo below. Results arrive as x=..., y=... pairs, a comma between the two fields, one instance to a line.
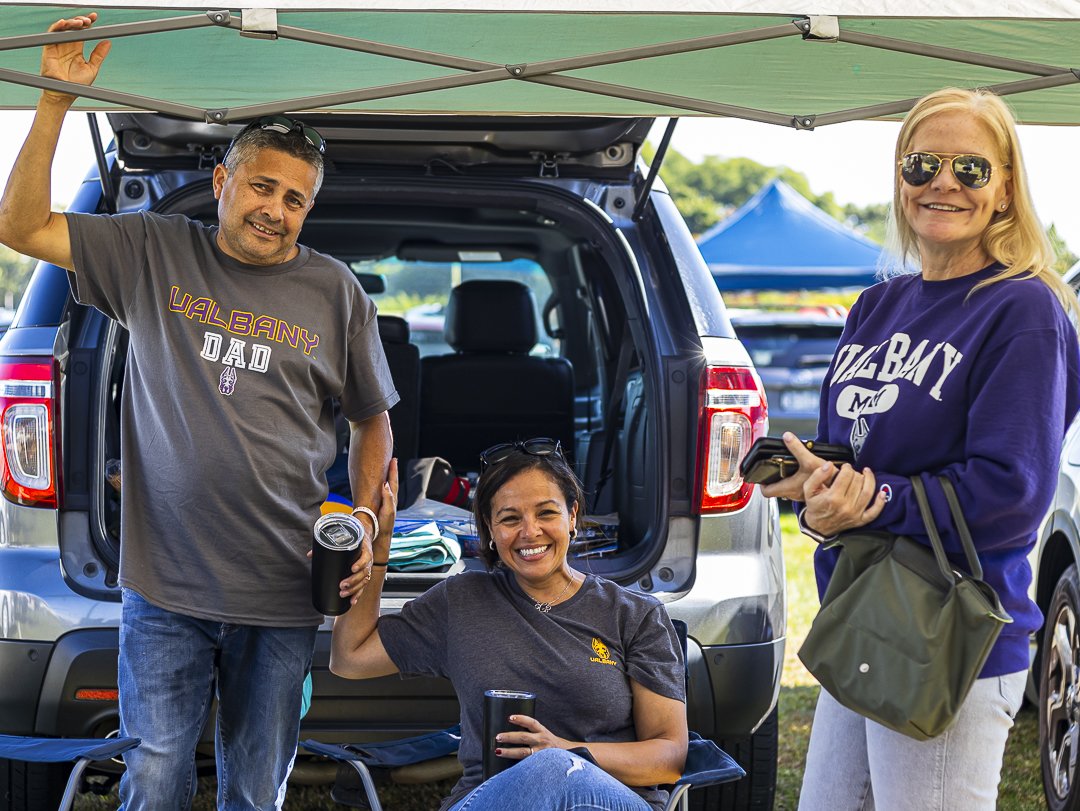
x=239, y=341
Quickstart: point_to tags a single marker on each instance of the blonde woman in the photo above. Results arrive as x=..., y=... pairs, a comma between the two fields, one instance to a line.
x=967, y=369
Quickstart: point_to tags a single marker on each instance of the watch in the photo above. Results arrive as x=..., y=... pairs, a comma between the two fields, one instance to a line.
x=813, y=534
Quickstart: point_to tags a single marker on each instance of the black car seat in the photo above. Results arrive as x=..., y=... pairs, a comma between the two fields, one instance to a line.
x=491, y=389
x=403, y=358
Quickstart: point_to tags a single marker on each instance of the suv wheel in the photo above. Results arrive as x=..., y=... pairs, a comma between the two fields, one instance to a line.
x=757, y=754
x=31, y=786
x=1059, y=695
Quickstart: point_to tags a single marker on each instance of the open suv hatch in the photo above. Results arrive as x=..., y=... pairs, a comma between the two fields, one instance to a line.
x=654, y=400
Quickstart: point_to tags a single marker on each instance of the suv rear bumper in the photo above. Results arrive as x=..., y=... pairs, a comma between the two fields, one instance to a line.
x=732, y=689
x=42, y=679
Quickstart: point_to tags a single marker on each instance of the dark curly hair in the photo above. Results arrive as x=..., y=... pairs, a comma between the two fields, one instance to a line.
x=553, y=466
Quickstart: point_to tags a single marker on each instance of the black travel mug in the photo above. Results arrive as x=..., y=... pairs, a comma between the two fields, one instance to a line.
x=337, y=542
x=499, y=705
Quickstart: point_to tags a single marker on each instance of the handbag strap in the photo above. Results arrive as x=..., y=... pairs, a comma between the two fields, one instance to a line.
x=966, y=541
x=974, y=566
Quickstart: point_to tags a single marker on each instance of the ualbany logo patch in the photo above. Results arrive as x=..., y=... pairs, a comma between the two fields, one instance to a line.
x=602, y=653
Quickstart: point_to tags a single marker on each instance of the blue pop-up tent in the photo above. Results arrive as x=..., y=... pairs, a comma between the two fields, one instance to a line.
x=779, y=240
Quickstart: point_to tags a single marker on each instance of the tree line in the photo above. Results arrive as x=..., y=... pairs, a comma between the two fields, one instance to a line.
x=15, y=270
x=707, y=192
x=704, y=192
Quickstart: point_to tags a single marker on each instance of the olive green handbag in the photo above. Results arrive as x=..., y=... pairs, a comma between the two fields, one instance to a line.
x=902, y=633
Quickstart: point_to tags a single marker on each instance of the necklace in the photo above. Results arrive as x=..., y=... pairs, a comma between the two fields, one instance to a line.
x=544, y=607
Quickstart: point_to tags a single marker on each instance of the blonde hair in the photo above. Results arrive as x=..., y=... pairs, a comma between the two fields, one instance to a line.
x=1014, y=237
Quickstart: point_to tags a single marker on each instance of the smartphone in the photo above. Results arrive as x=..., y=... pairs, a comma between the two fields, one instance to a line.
x=769, y=459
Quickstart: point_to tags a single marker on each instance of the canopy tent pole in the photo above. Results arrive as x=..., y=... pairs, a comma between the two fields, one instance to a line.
x=949, y=54
x=889, y=108
x=128, y=100
x=117, y=30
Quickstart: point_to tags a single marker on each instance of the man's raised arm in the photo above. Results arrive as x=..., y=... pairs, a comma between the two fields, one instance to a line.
x=27, y=222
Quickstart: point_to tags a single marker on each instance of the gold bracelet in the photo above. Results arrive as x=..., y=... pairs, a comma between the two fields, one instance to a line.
x=374, y=519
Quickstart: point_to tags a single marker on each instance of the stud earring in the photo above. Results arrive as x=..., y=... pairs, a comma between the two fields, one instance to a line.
x=1004, y=206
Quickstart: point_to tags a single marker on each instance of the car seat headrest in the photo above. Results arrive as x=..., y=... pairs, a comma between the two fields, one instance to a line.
x=491, y=316
x=393, y=329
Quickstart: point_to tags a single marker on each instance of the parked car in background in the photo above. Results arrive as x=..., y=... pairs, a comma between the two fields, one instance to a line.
x=6, y=317
x=792, y=351
x=1054, y=682
x=620, y=348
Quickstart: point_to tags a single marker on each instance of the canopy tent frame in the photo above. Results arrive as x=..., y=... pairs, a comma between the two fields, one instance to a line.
x=263, y=24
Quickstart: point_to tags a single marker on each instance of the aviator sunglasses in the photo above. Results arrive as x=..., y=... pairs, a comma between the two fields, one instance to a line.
x=538, y=446
x=919, y=168
x=285, y=125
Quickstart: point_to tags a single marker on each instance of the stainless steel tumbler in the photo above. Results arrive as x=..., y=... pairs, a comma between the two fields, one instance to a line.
x=337, y=542
x=499, y=705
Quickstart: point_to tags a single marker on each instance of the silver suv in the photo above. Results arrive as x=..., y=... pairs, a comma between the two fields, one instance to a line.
x=419, y=206
x=1054, y=682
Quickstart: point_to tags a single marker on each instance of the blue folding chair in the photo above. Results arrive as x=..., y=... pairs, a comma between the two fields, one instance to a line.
x=83, y=751
x=706, y=763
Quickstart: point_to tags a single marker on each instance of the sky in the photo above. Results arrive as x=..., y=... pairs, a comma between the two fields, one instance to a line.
x=851, y=160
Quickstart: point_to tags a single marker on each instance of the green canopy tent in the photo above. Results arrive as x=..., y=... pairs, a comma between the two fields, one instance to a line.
x=784, y=63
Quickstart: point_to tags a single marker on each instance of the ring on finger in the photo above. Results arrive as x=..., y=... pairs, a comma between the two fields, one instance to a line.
x=530, y=750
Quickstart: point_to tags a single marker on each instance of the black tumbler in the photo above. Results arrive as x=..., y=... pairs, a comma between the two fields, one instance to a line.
x=337, y=540
x=499, y=705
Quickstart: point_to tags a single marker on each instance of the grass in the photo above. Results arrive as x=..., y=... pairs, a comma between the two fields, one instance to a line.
x=1021, y=783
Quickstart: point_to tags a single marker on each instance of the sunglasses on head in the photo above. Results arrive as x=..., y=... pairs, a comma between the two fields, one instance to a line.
x=919, y=168
x=538, y=446
x=285, y=125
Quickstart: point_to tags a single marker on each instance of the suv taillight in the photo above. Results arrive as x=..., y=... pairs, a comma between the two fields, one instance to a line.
x=733, y=415
x=28, y=428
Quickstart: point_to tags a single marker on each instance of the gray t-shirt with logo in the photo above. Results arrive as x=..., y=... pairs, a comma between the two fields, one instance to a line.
x=226, y=419
x=482, y=632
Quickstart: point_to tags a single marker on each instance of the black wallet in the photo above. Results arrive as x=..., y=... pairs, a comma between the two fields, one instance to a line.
x=769, y=460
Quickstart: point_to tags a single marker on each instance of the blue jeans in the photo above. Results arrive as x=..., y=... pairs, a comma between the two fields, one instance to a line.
x=171, y=668
x=552, y=780
x=854, y=764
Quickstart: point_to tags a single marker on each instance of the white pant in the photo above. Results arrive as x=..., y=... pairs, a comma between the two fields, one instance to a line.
x=858, y=765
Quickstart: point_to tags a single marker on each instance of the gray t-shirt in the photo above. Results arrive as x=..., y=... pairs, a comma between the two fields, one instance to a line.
x=482, y=632
x=226, y=421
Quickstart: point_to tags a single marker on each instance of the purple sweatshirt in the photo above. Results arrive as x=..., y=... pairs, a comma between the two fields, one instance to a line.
x=928, y=381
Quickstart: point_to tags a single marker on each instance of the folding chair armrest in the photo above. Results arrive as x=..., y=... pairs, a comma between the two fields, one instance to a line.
x=58, y=750
x=332, y=751
x=708, y=765
x=83, y=751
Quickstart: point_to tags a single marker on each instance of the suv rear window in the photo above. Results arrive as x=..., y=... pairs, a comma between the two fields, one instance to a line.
x=419, y=292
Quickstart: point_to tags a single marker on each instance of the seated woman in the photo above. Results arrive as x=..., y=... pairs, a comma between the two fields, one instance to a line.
x=604, y=662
